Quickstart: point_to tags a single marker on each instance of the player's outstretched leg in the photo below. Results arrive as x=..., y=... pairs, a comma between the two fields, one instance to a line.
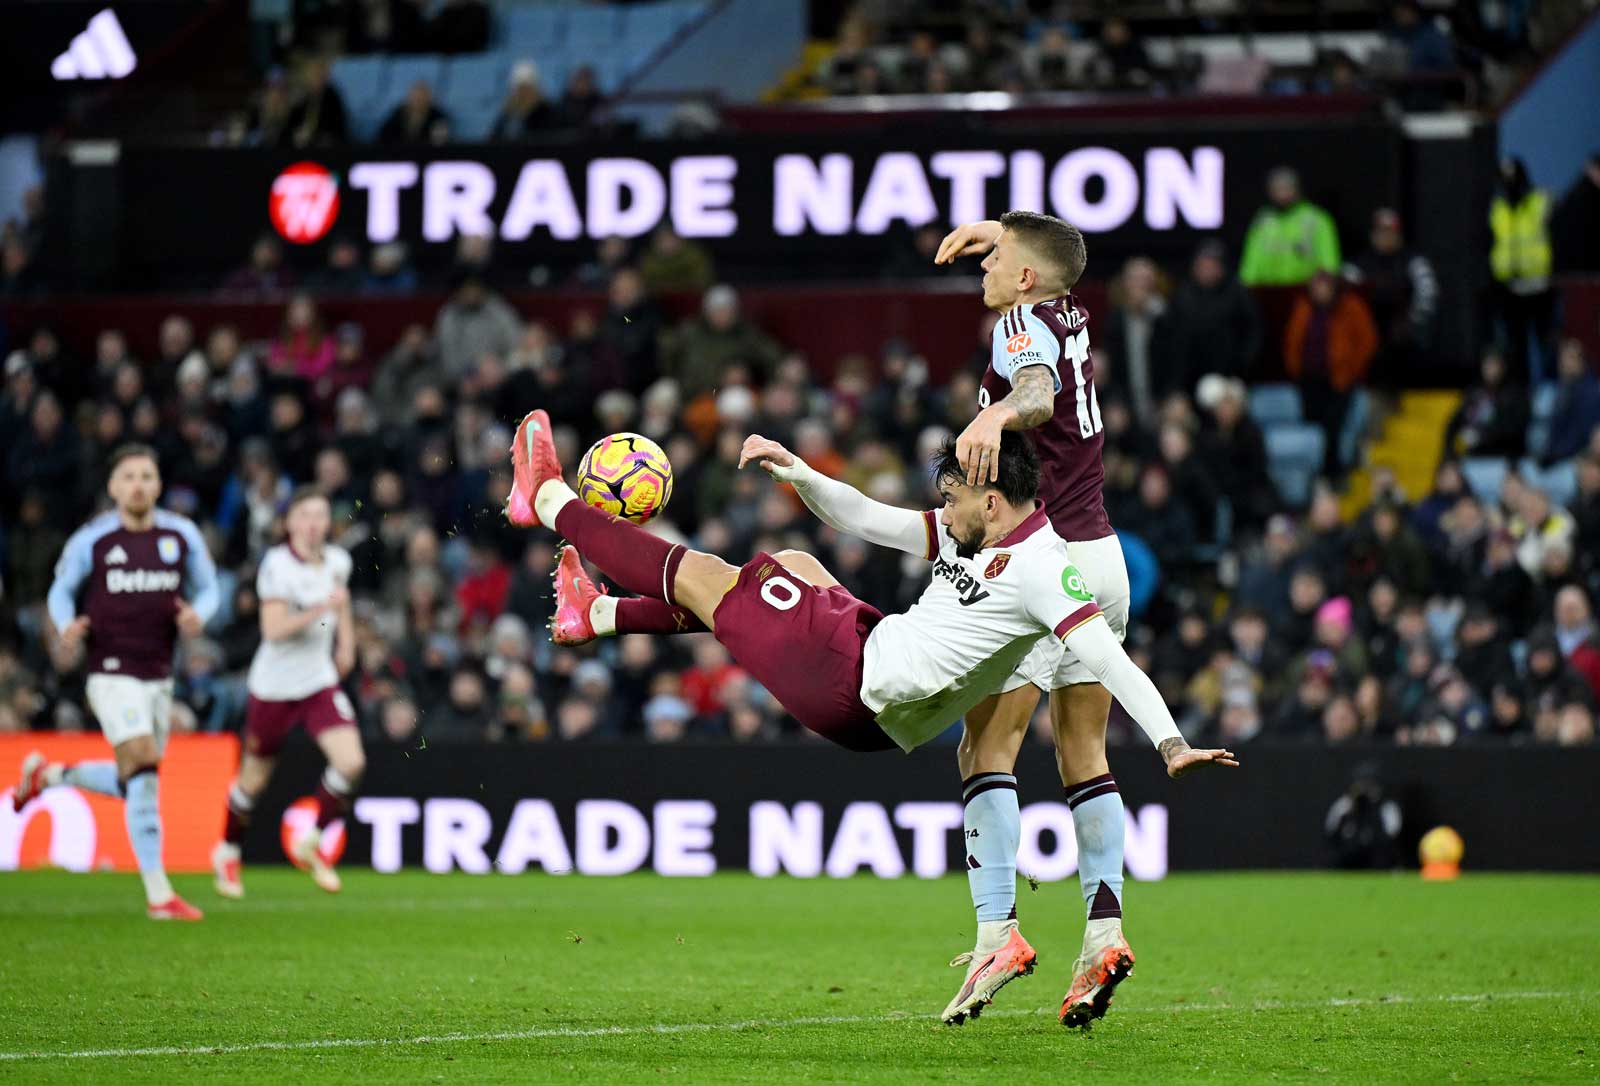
x=585, y=611
x=141, y=810
x=638, y=561
x=38, y=773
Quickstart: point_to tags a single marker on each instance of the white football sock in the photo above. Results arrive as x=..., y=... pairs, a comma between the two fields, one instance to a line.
x=553, y=494
x=992, y=934
x=603, y=616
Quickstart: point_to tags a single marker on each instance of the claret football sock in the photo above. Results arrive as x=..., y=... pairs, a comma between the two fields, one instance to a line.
x=239, y=807
x=142, y=811
x=646, y=616
x=1097, y=823
x=91, y=777
x=641, y=563
x=333, y=796
x=993, y=827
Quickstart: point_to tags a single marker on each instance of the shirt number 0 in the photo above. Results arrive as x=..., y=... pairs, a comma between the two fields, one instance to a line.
x=1077, y=350
x=784, y=600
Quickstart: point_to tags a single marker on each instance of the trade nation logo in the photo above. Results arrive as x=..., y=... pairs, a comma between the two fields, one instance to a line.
x=304, y=202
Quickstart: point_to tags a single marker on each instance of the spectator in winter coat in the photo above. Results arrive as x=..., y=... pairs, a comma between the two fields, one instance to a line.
x=1134, y=330
x=1234, y=450
x=303, y=349
x=45, y=459
x=417, y=119
x=1575, y=634
x=318, y=119
x=1493, y=417
x=1290, y=239
x=701, y=349
x=1213, y=325
x=1402, y=290
x=525, y=112
x=1327, y=348
x=671, y=263
x=1577, y=411
x=474, y=322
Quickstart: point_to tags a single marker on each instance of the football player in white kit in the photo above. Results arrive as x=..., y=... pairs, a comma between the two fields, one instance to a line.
x=1002, y=583
x=307, y=645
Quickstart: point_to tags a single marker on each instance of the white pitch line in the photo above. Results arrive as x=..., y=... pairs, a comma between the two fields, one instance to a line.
x=735, y=1027
x=279, y=905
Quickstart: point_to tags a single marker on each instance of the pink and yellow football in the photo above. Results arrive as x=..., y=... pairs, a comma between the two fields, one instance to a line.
x=627, y=475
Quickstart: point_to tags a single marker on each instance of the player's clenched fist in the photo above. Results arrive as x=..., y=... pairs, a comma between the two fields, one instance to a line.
x=767, y=452
x=969, y=239
x=189, y=622
x=74, y=633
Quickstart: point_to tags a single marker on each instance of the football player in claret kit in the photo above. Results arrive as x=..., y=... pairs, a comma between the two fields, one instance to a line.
x=1001, y=584
x=119, y=596
x=1040, y=378
x=307, y=644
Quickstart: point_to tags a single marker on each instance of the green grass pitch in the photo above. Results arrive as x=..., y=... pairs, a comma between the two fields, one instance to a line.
x=416, y=978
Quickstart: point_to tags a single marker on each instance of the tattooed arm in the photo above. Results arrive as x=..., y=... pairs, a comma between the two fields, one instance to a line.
x=1031, y=402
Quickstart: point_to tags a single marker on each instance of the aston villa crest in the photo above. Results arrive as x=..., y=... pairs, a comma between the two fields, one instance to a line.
x=167, y=548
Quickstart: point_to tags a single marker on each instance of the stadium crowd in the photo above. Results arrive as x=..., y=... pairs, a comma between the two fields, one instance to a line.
x=1427, y=619
x=1421, y=55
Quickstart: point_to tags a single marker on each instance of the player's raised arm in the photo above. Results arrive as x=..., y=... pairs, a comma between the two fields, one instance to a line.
x=968, y=239
x=1061, y=601
x=841, y=506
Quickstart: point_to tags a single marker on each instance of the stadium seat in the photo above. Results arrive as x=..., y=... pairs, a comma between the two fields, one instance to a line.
x=534, y=29
x=474, y=89
x=1559, y=481
x=1484, y=475
x=592, y=29
x=650, y=25
x=1272, y=404
x=1543, y=407
x=1294, y=457
x=613, y=70
x=363, y=83
x=1356, y=419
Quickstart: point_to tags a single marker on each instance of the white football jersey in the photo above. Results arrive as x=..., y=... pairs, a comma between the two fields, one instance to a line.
x=970, y=629
x=299, y=666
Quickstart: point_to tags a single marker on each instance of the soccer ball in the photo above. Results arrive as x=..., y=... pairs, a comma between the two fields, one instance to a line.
x=1440, y=852
x=1440, y=845
x=626, y=475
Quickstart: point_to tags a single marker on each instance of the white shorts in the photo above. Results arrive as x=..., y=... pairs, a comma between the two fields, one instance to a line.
x=1050, y=666
x=128, y=708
